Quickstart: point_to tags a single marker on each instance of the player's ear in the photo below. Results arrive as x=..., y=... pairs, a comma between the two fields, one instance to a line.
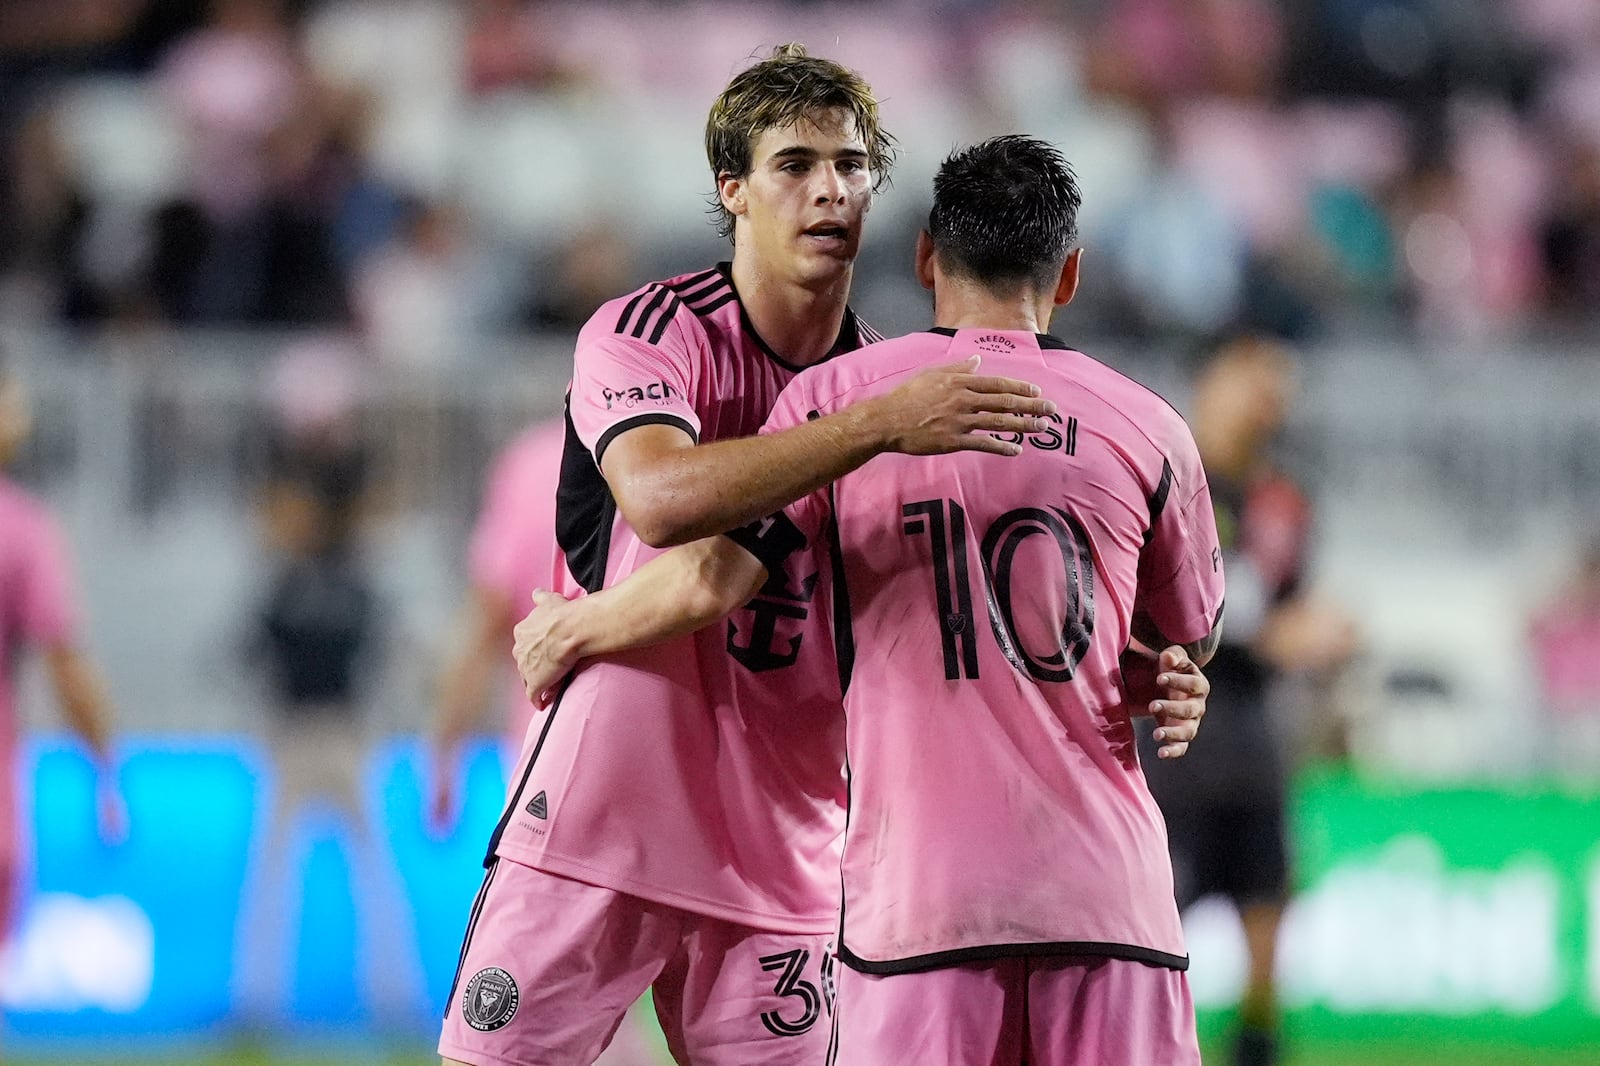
x=1067, y=287
x=731, y=191
x=924, y=264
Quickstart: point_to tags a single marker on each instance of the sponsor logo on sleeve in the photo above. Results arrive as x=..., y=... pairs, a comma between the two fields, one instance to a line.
x=660, y=393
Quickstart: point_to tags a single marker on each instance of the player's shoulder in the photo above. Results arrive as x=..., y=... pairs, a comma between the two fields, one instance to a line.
x=874, y=365
x=1149, y=412
x=20, y=505
x=649, y=313
x=25, y=519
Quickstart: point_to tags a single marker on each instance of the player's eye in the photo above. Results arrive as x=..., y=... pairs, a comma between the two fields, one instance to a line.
x=794, y=166
x=851, y=166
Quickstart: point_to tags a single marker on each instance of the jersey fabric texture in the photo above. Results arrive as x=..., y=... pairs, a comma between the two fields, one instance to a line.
x=687, y=773
x=982, y=602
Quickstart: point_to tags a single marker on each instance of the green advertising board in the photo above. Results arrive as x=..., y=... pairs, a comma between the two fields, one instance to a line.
x=1462, y=915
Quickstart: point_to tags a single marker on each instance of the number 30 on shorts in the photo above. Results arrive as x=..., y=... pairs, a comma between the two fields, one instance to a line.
x=789, y=965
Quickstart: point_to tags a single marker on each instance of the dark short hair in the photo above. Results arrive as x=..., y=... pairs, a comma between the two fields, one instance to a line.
x=1005, y=211
x=783, y=88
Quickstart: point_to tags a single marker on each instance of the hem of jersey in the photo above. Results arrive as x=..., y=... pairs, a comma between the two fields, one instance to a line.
x=577, y=870
x=661, y=419
x=987, y=952
x=475, y=1056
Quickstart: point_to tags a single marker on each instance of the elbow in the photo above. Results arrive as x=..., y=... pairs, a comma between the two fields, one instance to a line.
x=663, y=532
x=657, y=522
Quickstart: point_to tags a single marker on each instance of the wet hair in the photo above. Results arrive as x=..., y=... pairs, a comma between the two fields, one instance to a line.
x=1005, y=211
x=782, y=89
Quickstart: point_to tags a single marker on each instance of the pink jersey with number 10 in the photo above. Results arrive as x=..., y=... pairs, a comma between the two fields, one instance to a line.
x=996, y=806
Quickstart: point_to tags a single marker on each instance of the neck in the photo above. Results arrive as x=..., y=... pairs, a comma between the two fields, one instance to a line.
x=798, y=321
x=959, y=306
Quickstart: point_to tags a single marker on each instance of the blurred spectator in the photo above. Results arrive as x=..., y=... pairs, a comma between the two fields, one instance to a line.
x=1570, y=238
x=315, y=637
x=38, y=610
x=45, y=225
x=1225, y=804
x=1179, y=252
x=509, y=45
x=1564, y=641
x=513, y=552
x=592, y=263
x=427, y=297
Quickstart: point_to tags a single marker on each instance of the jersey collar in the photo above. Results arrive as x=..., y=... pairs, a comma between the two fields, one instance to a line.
x=1046, y=340
x=849, y=338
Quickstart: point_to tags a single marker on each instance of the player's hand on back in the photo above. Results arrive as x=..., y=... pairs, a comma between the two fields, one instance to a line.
x=1171, y=689
x=953, y=408
x=543, y=659
x=1182, y=704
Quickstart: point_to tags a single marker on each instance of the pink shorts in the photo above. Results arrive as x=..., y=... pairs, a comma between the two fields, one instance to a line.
x=550, y=966
x=1044, y=1011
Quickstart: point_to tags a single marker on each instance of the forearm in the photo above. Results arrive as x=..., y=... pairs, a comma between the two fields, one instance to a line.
x=700, y=491
x=463, y=688
x=680, y=592
x=82, y=698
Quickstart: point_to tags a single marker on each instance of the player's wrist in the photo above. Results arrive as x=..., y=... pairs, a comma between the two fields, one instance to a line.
x=867, y=427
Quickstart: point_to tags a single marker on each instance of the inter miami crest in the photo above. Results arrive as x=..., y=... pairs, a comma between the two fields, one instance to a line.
x=490, y=1000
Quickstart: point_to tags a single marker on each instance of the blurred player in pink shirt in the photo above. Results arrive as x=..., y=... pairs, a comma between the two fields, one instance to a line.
x=513, y=552
x=1007, y=897
x=37, y=611
x=673, y=819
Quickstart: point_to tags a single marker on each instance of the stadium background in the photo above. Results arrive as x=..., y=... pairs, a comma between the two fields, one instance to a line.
x=216, y=216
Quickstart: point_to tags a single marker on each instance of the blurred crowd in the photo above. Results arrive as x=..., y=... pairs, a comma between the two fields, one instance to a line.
x=425, y=172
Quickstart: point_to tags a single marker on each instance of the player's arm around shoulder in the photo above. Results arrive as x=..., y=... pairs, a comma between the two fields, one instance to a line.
x=672, y=490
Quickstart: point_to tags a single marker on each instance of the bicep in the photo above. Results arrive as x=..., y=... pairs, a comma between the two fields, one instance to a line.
x=636, y=459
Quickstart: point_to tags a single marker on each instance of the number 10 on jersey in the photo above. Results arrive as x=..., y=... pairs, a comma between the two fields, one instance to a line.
x=944, y=523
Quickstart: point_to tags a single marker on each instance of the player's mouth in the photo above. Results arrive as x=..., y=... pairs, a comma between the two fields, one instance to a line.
x=829, y=235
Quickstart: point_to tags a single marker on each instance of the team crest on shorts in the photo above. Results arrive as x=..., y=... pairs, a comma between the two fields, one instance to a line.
x=490, y=1000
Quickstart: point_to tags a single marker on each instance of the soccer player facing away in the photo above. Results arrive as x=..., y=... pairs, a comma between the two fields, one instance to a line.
x=1007, y=895
x=37, y=611
x=672, y=820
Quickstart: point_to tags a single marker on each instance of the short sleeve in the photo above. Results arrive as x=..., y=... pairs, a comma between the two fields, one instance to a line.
x=46, y=606
x=1180, y=569
x=621, y=381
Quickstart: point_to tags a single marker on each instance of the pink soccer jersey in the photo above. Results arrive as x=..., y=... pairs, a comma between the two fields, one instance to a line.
x=514, y=543
x=36, y=609
x=996, y=802
x=691, y=773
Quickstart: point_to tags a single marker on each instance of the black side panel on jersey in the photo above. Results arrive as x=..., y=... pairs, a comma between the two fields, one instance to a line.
x=1158, y=499
x=844, y=634
x=585, y=511
x=515, y=796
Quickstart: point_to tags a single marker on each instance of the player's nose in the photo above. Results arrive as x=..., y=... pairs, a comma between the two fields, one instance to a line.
x=831, y=186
